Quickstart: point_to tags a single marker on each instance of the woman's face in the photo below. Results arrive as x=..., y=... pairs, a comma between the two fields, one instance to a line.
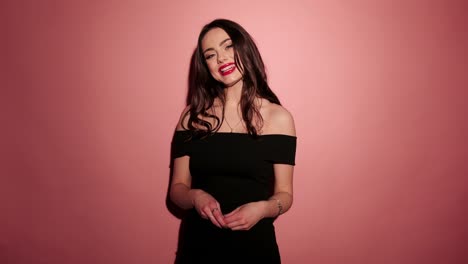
x=218, y=52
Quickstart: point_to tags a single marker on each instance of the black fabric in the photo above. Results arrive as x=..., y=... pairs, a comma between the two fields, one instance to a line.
x=235, y=169
x=181, y=143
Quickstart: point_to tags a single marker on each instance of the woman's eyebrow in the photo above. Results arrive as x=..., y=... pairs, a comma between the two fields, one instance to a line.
x=220, y=44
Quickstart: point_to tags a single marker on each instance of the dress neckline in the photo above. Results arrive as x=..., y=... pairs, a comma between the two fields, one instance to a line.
x=239, y=133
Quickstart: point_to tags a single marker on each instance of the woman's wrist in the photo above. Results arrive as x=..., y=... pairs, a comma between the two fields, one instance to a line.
x=264, y=208
x=279, y=206
x=269, y=208
x=193, y=193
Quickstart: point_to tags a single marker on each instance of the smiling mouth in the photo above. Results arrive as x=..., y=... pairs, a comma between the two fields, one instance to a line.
x=227, y=69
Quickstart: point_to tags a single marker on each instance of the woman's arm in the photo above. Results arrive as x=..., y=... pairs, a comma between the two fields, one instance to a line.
x=185, y=197
x=281, y=122
x=180, y=192
x=282, y=199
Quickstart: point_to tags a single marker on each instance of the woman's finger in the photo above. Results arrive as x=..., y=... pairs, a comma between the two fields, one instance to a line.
x=240, y=227
x=203, y=215
x=235, y=224
x=233, y=212
x=210, y=215
x=218, y=216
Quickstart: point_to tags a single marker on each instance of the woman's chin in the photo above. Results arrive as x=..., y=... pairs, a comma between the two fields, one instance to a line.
x=232, y=83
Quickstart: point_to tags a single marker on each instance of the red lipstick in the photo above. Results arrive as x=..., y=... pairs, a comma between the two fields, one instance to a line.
x=227, y=68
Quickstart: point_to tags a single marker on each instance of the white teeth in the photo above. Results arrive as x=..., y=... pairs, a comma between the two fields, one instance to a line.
x=227, y=68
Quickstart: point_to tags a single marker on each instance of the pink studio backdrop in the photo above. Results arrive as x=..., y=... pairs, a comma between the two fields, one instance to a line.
x=92, y=91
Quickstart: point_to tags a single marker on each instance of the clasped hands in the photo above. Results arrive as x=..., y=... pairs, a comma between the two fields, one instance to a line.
x=243, y=217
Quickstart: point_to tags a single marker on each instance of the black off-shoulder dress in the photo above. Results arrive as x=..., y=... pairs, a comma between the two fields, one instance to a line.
x=235, y=169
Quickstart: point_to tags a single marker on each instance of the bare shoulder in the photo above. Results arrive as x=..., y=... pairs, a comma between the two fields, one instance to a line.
x=277, y=120
x=183, y=120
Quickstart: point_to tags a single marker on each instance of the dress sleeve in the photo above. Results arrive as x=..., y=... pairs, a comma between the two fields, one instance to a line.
x=181, y=144
x=280, y=149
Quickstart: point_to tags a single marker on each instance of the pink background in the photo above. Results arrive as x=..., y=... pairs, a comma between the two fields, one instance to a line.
x=92, y=90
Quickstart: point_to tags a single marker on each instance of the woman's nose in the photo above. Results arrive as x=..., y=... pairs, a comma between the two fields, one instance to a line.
x=222, y=56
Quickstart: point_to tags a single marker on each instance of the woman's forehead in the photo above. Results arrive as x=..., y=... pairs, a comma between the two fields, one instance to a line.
x=214, y=38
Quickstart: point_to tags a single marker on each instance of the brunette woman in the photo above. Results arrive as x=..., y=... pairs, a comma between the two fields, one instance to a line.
x=233, y=153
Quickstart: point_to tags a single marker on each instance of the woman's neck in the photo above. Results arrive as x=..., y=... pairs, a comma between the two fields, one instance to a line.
x=233, y=94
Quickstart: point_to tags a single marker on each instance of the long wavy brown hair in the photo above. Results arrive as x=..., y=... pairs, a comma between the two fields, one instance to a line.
x=203, y=88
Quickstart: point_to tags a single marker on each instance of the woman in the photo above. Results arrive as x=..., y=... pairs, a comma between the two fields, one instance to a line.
x=233, y=150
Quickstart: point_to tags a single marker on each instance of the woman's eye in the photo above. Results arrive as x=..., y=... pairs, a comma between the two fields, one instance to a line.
x=209, y=57
x=229, y=46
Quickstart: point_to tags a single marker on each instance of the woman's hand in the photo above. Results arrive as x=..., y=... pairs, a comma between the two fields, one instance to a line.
x=245, y=216
x=207, y=207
